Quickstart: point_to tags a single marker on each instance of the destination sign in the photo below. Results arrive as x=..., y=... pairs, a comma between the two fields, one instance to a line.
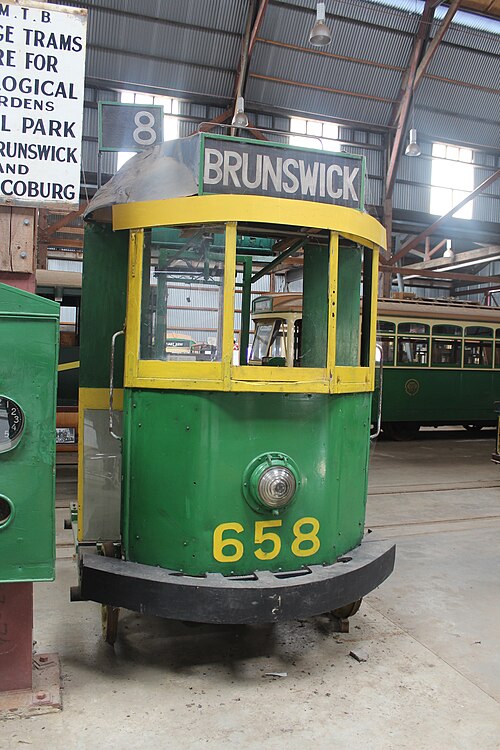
x=232, y=166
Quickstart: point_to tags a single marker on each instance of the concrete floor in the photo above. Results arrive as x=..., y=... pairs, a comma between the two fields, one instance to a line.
x=431, y=635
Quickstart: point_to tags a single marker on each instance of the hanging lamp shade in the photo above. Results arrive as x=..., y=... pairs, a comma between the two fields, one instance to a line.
x=320, y=34
x=240, y=119
x=413, y=149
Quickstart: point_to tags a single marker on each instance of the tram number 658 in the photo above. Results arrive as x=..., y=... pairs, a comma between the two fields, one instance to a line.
x=305, y=543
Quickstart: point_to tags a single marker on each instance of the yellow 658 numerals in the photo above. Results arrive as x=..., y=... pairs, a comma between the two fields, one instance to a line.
x=305, y=543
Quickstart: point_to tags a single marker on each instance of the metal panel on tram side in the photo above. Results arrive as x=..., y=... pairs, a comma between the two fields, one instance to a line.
x=102, y=314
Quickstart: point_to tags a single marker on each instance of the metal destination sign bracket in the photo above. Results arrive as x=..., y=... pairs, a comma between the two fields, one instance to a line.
x=246, y=166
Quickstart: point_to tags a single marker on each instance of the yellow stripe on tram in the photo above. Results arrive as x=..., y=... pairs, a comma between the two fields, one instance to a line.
x=68, y=366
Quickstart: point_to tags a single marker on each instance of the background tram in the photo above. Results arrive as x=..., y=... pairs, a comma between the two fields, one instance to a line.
x=211, y=489
x=441, y=359
x=441, y=364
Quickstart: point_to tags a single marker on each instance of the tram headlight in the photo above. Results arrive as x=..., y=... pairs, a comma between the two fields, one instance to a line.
x=271, y=482
x=276, y=486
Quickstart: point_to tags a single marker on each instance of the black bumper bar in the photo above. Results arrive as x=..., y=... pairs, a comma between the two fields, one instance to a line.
x=261, y=597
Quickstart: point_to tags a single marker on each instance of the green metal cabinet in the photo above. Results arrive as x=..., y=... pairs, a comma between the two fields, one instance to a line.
x=29, y=343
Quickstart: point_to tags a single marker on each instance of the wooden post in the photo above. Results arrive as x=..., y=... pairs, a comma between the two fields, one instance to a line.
x=16, y=636
x=17, y=268
x=17, y=247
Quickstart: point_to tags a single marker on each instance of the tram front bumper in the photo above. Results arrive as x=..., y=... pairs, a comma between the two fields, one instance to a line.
x=261, y=597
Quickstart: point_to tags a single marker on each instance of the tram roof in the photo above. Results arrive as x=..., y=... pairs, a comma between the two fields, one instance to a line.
x=437, y=309
x=165, y=171
x=208, y=163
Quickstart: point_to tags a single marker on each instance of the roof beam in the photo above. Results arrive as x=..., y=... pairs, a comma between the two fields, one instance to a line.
x=416, y=70
x=256, y=27
x=255, y=17
x=477, y=290
x=205, y=127
x=254, y=20
x=245, y=46
x=373, y=64
x=328, y=90
x=400, y=113
x=431, y=49
x=64, y=220
x=486, y=254
x=429, y=231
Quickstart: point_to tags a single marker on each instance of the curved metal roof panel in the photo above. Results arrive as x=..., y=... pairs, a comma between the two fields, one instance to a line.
x=148, y=38
x=458, y=100
x=450, y=128
x=404, y=19
x=226, y=16
x=379, y=44
x=319, y=71
x=468, y=66
x=116, y=68
x=298, y=99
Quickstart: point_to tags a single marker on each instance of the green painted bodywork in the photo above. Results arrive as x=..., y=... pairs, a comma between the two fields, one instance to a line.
x=441, y=397
x=67, y=380
x=347, y=307
x=315, y=306
x=104, y=291
x=29, y=342
x=185, y=455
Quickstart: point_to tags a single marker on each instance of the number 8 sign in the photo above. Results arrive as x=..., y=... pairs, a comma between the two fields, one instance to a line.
x=129, y=127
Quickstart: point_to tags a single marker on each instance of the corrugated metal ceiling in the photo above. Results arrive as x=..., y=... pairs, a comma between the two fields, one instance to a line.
x=192, y=48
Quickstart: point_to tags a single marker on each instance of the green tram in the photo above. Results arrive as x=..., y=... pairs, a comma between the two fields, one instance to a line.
x=214, y=490
x=441, y=364
x=441, y=359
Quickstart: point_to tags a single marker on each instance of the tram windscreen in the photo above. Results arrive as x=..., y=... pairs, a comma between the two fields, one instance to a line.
x=261, y=342
x=183, y=293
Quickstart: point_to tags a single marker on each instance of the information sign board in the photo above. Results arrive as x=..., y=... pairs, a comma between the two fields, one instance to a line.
x=129, y=127
x=247, y=166
x=42, y=67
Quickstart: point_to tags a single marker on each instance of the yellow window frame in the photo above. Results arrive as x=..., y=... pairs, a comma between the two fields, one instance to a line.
x=228, y=210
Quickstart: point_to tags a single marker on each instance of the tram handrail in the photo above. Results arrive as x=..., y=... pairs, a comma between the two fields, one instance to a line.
x=375, y=434
x=111, y=386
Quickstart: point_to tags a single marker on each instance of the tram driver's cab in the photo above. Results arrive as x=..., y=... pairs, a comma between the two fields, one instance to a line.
x=278, y=328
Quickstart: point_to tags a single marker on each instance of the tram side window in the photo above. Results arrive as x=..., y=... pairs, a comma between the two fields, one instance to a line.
x=387, y=344
x=413, y=351
x=281, y=311
x=385, y=326
x=183, y=293
x=478, y=353
x=497, y=348
x=422, y=329
x=446, y=330
x=479, y=331
x=446, y=353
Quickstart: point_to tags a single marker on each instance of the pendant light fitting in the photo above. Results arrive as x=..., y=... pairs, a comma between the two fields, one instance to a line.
x=240, y=119
x=320, y=34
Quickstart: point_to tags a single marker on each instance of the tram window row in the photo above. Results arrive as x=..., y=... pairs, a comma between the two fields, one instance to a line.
x=446, y=345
